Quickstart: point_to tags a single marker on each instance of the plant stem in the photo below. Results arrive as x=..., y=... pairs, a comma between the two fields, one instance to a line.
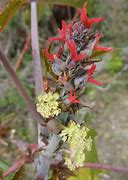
x=94, y=166
x=35, y=49
x=38, y=80
x=106, y=167
x=24, y=50
x=36, y=57
x=20, y=87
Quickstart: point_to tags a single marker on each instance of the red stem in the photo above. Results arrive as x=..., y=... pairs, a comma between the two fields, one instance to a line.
x=20, y=87
x=25, y=49
x=94, y=166
x=106, y=167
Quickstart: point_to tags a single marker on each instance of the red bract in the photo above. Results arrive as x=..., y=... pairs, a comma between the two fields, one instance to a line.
x=101, y=48
x=73, y=49
x=72, y=97
x=91, y=70
x=94, y=81
x=48, y=55
x=52, y=56
x=62, y=33
x=89, y=22
x=90, y=78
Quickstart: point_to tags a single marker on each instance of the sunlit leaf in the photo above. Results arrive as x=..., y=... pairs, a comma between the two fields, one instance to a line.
x=20, y=174
x=9, y=12
x=73, y=3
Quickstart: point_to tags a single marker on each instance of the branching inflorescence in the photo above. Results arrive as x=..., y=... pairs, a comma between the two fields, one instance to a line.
x=70, y=66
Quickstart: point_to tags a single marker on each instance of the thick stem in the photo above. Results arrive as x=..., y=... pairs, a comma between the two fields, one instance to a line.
x=43, y=164
x=35, y=49
x=20, y=87
x=106, y=167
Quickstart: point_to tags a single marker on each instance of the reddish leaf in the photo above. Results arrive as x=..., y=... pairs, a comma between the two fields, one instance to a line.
x=17, y=165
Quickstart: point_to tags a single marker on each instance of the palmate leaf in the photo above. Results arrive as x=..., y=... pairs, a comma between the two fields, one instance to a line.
x=73, y=3
x=10, y=10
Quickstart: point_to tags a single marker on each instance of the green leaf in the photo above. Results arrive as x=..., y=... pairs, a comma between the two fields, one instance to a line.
x=20, y=174
x=9, y=12
x=73, y=3
x=92, y=156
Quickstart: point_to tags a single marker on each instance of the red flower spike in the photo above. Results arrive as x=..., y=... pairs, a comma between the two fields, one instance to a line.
x=73, y=49
x=62, y=33
x=91, y=70
x=89, y=22
x=72, y=98
x=94, y=81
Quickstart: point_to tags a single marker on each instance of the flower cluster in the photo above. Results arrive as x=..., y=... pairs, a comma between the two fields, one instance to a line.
x=47, y=105
x=78, y=143
x=76, y=43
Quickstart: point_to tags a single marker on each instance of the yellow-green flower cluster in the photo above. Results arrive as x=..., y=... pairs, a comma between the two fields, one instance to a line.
x=47, y=105
x=78, y=143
